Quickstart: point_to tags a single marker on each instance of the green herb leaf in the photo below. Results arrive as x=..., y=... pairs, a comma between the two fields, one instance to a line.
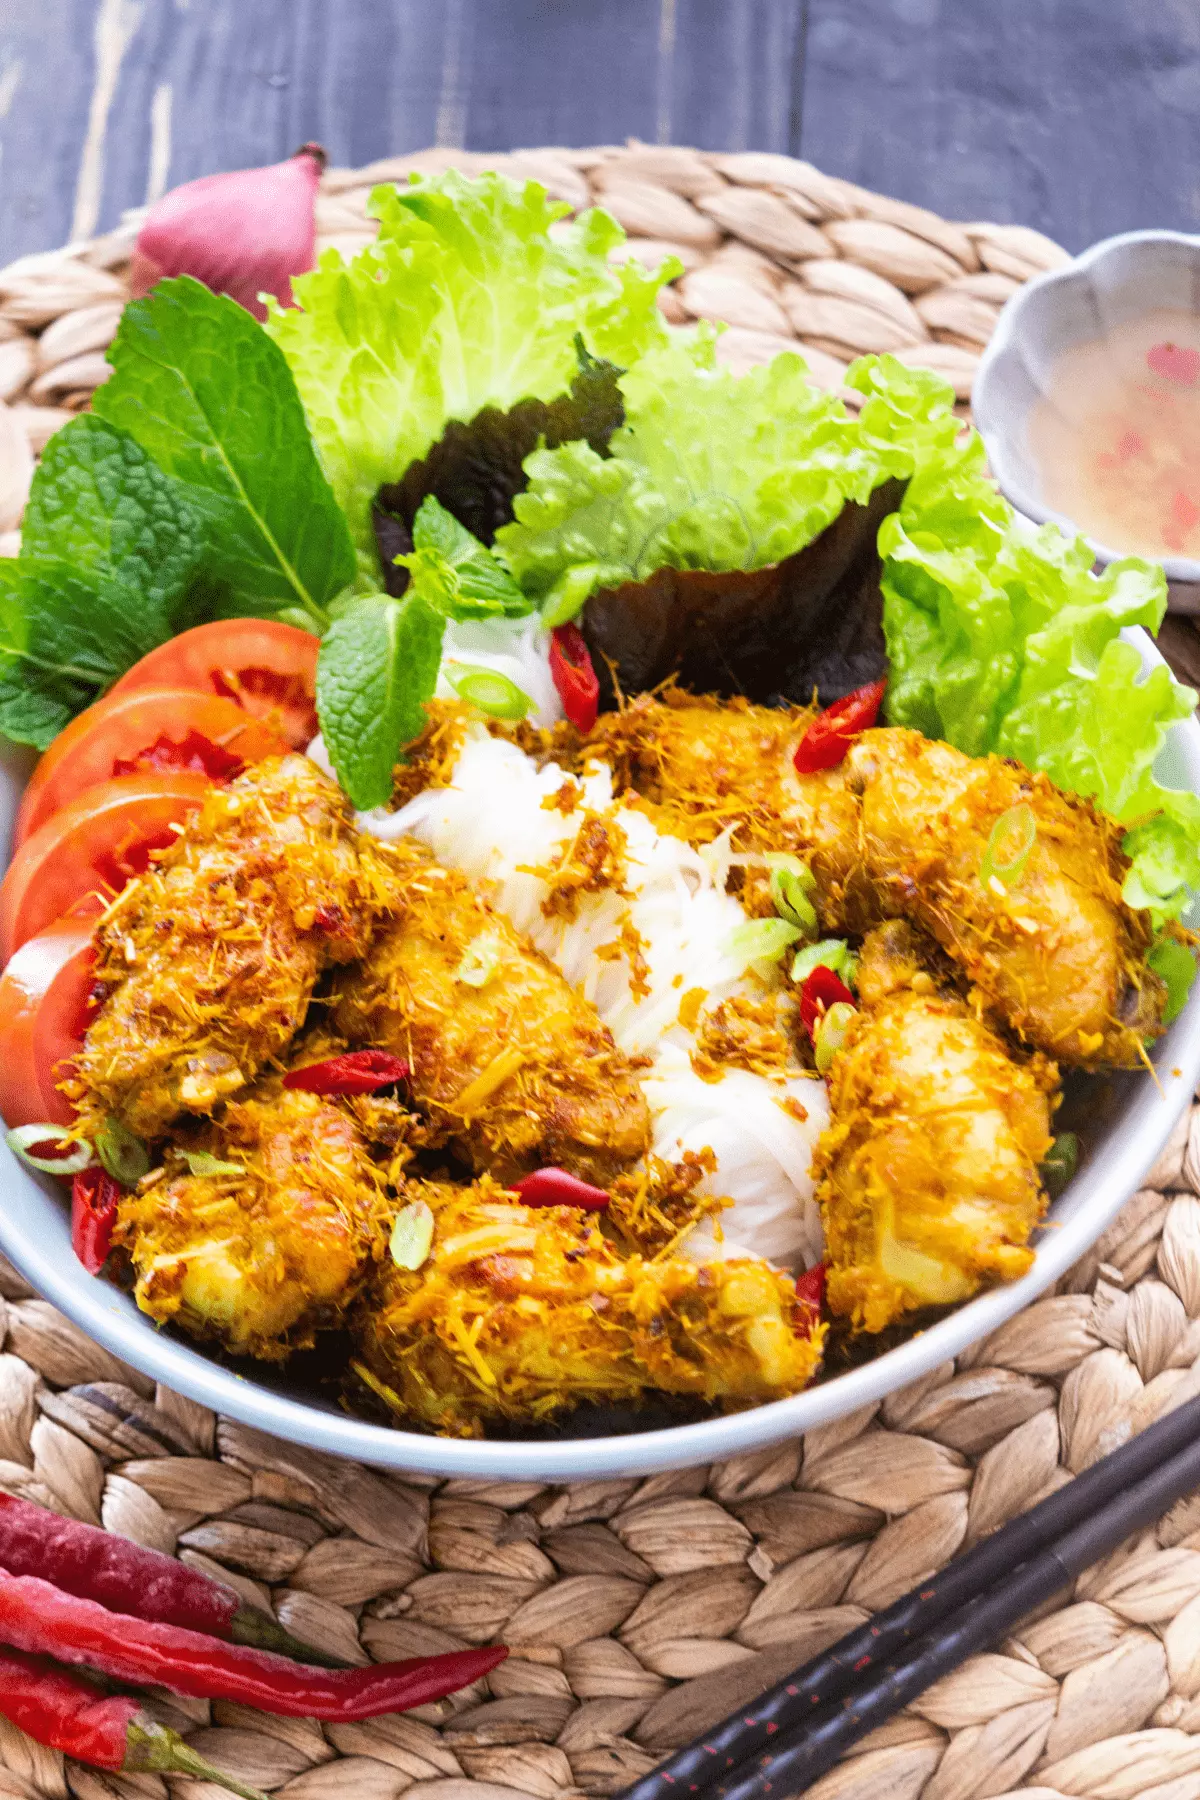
x=205, y=391
x=412, y=1235
x=202, y=1162
x=1174, y=964
x=485, y=586
x=377, y=667
x=65, y=636
x=463, y=302
x=1060, y=1162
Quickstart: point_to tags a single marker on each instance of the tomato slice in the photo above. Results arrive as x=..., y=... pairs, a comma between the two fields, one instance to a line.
x=161, y=730
x=268, y=668
x=92, y=845
x=45, y=996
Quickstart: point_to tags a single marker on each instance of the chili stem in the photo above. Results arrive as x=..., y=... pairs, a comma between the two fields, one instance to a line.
x=154, y=1750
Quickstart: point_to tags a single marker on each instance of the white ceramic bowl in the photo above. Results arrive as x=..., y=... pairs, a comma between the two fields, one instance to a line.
x=1120, y=279
x=1133, y=1120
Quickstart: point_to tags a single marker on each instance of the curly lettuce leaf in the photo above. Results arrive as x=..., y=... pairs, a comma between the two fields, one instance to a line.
x=463, y=302
x=1002, y=638
x=709, y=471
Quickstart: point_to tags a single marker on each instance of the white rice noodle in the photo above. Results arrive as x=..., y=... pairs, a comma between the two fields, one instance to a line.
x=491, y=823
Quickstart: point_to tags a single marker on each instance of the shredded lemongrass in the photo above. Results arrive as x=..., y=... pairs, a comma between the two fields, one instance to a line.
x=1008, y=847
x=485, y=1084
x=489, y=690
x=831, y=1034
x=23, y=1141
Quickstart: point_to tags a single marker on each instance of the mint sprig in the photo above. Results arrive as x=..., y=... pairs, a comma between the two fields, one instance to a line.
x=378, y=665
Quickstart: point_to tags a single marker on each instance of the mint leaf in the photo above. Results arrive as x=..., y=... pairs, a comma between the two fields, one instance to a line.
x=101, y=504
x=484, y=584
x=377, y=667
x=65, y=636
x=207, y=393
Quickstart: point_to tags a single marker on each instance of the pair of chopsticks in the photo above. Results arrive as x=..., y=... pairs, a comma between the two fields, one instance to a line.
x=783, y=1742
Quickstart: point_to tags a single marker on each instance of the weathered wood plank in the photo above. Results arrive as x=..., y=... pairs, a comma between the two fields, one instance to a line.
x=1077, y=116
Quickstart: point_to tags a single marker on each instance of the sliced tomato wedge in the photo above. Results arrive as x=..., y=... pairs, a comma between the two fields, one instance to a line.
x=268, y=668
x=93, y=845
x=45, y=1008
x=156, y=730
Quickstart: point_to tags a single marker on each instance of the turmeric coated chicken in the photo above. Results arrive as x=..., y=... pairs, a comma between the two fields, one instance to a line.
x=1050, y=947
x=208, y=960
x=505, y=1056
x=928, y=1177
x=901, y=828
x=517, y=1312
x=262, y=1228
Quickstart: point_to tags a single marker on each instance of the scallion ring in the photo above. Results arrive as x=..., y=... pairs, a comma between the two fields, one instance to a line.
x=831, y=1034
x=792, y=882
x=26, y=1140
x=201, y=1162
x=1060, y=1162
x=412, y=1235
x=760, y=940
x=121, y=1153
x=1008, y=847
x=830, y=953
x=479, y=961
x=489, y=690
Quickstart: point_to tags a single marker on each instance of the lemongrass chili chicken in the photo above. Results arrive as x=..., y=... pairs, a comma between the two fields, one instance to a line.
x=528, y=1045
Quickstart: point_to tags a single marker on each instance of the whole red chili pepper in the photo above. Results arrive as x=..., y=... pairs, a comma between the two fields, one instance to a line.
x=127, y=1578
x=810, y=1293
x=109, y=1731
x=820, y=990
x=573, y=675
x=94, y=1197
x=830, y=735
x=555, y=1187
x=39, y=1618
x=357, y=1072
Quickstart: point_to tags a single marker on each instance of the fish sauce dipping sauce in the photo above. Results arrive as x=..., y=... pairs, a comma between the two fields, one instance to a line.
x=1116, y=435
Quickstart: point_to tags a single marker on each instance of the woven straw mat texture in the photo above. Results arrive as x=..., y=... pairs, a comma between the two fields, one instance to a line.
x=639, y=1612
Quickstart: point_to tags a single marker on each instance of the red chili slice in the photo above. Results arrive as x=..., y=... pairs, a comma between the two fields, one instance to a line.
x=810, y=1295
x=574, y=677
x=555, y=1187
x=357, y=1072
x=828, y=738
x=819, y=992
x=94, y=1197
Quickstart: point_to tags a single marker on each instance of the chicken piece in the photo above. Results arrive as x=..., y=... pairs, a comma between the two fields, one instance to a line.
x=1054, y=952
x=260, y=1256
x=519, y=1312
x=209, y=959
x=928, y=1177
x=511, y=1062
x=705, y=764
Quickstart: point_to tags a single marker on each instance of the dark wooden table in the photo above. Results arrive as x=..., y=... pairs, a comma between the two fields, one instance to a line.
x=1078, y=116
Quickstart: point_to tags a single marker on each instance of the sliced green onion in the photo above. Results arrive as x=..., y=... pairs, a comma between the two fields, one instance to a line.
x=200, y=1162
x=792, y=882
x=1060, y=1162
x=831, y=1034
x=569, y=595
x=480, y=960
x=830, y=953
x=487, y=689
x=24, y=1140
x=1175, y=965
x=121, y=1153
x=1012, y=838
x=760, y=940
x=412, y=1235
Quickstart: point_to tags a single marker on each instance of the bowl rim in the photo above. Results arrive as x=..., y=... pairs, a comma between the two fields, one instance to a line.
x=993, y=422
x=108, y=1317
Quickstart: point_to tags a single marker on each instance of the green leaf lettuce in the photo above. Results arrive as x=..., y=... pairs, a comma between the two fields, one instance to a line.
x=463, y=302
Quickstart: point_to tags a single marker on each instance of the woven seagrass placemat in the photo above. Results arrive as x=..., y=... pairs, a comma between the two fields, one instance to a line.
x=640, y=1611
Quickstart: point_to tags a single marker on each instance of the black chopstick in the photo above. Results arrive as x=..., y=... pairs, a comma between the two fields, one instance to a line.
x=758, y=1729
x=815, y=1746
